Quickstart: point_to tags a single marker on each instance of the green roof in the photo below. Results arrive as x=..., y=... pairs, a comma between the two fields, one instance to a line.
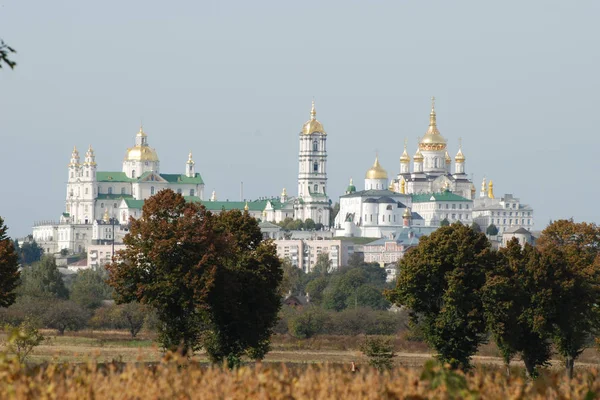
x=117, y=176
x=442, y=196
x=105, y=196
x=107, y=176
x=132, y=203
x=183, y=179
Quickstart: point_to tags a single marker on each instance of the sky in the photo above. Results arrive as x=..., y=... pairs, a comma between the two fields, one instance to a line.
x=233, y=82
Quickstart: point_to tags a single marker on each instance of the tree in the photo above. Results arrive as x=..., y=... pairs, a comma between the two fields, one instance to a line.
x=475, y=226
x=445, y=222
x=43, y=279
x=90, y=288
x=491, y=230
x=65, y=315
x=132, y=316
x=440, y=282
x=170, y=261
x=511, y=299
x=379, y=351
x=334, y=212
x=319, y=226
x=29, y=252
x=9, y=263
x=309, y=224
x=5, y=51
x=323, y=264
x=244, y=301
x=570, y=256
x=291, y=281
x=368, y=296
x=296, y=225
x=316, y=287
x=308, y=323
x=356, y=260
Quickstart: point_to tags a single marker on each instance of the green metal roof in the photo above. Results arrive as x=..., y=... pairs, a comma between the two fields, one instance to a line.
x=442, y=196
x=107, y=176
x=132, y=203
x=105, y=196
x=183, y=179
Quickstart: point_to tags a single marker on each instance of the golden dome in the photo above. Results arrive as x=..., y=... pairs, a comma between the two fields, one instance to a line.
x=406, y=213
x=246, y=208
x=460, y=157
x=376, y=171
x=141, y=153
x=491, y=190
x=448, y=159
x=418, y=157
x=312, y=125
x=405, y=158
x=433, y=139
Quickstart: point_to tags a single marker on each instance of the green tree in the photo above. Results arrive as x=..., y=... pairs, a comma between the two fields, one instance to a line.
x=309, y=224
x=29, y=252
x=22, y=339
x=323, y=264
x=170, y=261
x=445, y=222
x=491, y=230
x=9, y=265
x=570, y=257
x=379, y=351
x=65, y=315
x=5, y=51
x=440, y=281
x=316, y=287
x=308, y=323
x=511, y=299
x=356, y=260
x=43, y=280
x=285, y=224
x=368, y=296
x=244, y=300
x=475, y=226
x=296, y=225
x=292, y=280
x=90, y=288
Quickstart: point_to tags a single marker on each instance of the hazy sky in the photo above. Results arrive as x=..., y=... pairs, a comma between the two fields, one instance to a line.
x=233, y=82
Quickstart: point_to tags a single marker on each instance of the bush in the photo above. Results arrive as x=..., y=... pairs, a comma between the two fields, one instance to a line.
x=380, y=352
x=308, y=323
x=22, y=339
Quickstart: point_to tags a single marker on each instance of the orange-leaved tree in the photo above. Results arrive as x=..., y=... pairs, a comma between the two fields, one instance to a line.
x=170, y=262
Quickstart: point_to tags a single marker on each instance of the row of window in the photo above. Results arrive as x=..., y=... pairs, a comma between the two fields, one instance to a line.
x=454, y=217
x=447, y=206
x=510, y=214
x=510, y=221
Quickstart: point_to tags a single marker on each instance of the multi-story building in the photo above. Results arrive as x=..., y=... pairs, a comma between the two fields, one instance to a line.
x=304, y=253
x=505, y=213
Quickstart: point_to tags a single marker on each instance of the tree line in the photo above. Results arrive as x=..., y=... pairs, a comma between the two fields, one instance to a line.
x=527, y=299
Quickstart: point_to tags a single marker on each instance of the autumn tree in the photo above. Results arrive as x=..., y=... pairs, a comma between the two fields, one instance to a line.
x=514, y=313
x=440, y=282
x=9, y=268
x=244, y=300
x=169, y=263
x=570, y=251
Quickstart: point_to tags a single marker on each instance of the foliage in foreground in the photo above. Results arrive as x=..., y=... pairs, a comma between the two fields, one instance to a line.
x=170, y=380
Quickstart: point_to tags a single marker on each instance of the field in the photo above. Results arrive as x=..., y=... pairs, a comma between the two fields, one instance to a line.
x=111, y=365
x=108, y=346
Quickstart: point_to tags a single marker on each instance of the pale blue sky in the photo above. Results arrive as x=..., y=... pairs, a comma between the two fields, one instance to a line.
x=233, y=82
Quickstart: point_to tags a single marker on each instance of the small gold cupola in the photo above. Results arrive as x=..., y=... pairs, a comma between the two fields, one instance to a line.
x=405, y=158
x=491, y=190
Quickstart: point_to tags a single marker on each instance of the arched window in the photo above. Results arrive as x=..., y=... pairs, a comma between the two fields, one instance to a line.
x=315, y=146
x=110, y=190
x=316, y=188
x=151, y=190
x=316, y=167
x=192, y=192
x=133, y=173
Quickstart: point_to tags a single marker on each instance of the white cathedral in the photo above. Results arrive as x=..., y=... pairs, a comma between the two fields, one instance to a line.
x=97, y=201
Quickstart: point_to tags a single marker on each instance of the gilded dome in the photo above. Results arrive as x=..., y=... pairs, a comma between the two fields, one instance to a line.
x=448, y=159
x=433, y=139
x=418, y=157
x=312, y=125
x=141, y=153
x=460, y=157
x=405, y=158
x=376, y=171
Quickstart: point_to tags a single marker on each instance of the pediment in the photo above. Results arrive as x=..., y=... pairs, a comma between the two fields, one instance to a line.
x=152, y=177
